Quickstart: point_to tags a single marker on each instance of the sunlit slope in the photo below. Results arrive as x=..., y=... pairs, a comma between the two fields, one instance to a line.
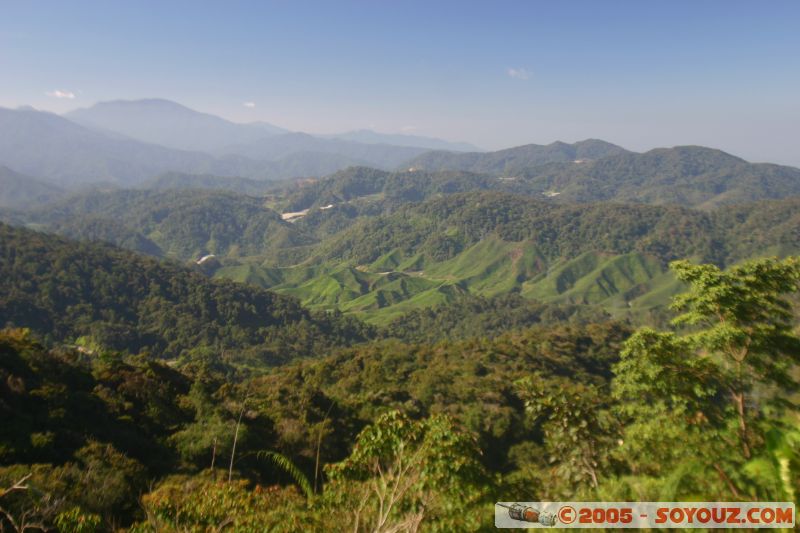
x=611, y=256
x=595, y=278
x=397, y=283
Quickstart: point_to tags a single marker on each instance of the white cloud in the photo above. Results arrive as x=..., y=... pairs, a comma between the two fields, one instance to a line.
x=519, y=73
x=249, y=105
x=408, y=128
x=61, y=94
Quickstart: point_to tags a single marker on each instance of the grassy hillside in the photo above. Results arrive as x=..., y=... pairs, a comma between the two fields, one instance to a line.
x=489, y=244
x=378, y=256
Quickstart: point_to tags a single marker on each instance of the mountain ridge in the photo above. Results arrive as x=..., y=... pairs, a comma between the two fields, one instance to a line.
x=514, y=159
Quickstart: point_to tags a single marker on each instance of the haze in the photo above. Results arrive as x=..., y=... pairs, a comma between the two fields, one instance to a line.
x=639, y=74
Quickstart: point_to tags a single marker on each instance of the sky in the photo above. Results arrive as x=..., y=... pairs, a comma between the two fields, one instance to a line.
x=497, y=74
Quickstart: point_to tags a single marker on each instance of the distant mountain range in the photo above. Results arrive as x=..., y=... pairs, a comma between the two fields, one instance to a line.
x=281, y=146
x=20, y=191
x=170, y=124
x=516, y=159
x=128, y=142
x=161, y=144
x=686, y=175
x=379, y=259
x=380, y=243
x=371, y=137
x=173, y=125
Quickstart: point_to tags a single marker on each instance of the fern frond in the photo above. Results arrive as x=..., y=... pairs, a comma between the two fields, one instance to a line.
x=285, y=464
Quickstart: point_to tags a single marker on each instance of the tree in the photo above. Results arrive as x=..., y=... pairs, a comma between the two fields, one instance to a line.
x=710, y=394
x=744, y=320
x=577, y=426
x=403, y=472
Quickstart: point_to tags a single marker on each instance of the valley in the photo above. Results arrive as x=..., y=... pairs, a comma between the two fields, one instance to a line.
x=209, y=324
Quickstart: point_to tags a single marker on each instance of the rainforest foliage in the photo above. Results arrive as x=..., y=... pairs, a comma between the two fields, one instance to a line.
x=392, y=435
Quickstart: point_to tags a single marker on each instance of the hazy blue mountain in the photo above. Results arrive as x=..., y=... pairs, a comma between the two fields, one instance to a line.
x=55, y=148
x=175, y=126
x=431, y=143
x=19, y=191
x=170, y=124
x=513, y=160
x=181, y=180
x=290, y=144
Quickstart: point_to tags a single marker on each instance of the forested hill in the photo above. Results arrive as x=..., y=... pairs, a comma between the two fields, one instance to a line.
x=20, y=191
x=691, y=176
x=66, y=289
x=184, y=224
x=515, y=159
x=684, y=175
x=442, y=228
x=180, y=180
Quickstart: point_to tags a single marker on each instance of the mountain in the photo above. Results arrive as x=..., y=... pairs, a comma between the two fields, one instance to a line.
x=52, y=147
x=686, y=175
x=179, y=180
x=175, y=126
x=57, y=149
x=376, y=253
x=430, y=143
x=125, y=301
x=512, y=160
x=183, y=224
x=689, y=175
x=20, y=191
x=282, y=146
x=614, y=256
x=170, y=124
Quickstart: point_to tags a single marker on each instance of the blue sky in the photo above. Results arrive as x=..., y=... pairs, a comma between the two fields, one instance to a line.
x=638, y=73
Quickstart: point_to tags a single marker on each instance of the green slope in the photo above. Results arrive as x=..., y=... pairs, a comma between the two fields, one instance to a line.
x=395, y=284
x=596, y=278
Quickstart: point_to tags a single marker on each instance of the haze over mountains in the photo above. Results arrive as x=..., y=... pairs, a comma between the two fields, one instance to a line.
x=518, y=158
x=127, y=142
x=170, y=124
x=132, y=143
x=185, y=237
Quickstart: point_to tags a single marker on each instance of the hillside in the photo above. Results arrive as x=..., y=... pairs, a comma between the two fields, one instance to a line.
x=376, y=254
x=396, y=188
x=292, y=144
x=417, y=141
x=120, y=300
x=183, y=224
x=514, y=160
x=52, y=147
x=20, y=192
x=684, y=175
x=170, y=124
x=690, y=176
x=607, y=255
x=56, y=149
x=179, y=180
